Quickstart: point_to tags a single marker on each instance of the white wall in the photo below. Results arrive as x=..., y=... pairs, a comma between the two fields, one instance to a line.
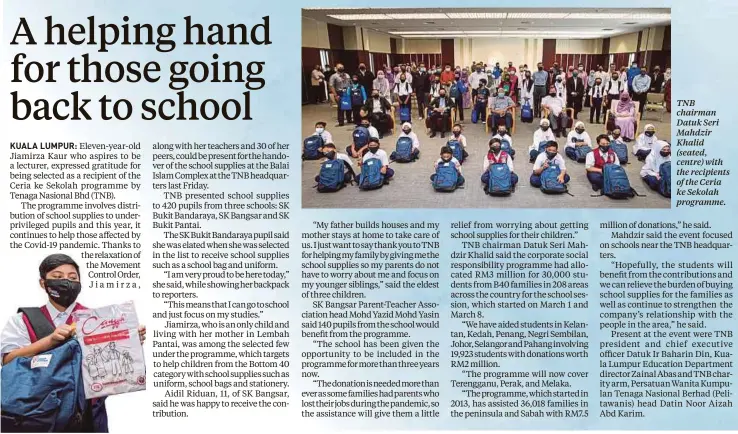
x=314, y=34
x=376, y=42
x=490, y=50
x=352, y=38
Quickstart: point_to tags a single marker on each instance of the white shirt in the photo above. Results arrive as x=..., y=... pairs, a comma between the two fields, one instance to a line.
x=373, y=132
x=616, y=87
x=344, y=157
x=555, y=103
x=15, y=334
x=542, y=158
x=524, y=93
x=541, y=136
x=454, y=161
x=505, y=137
x=403, y=89
x=561, y=90
x=509, y=163
x=653, y=163
x=475, y=77
x=413, y=136
x=644, y=143
x=376, y=106
x=590, y=160
x=618, y=140
x=326, y=136
x=435, y=89
x=573, y=134
x=597, y=91
x=381, y=155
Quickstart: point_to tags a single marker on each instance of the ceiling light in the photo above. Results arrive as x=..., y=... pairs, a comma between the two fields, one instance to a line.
x=417, y=16
x=360, y=17
x=476, y=15
x=590, y=16
x=429, y=22
x=629, y=24
x=637, y=16
x=609, y=30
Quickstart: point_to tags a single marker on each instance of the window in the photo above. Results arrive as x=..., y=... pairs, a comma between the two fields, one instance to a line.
x=324, y=60
x=631, y=58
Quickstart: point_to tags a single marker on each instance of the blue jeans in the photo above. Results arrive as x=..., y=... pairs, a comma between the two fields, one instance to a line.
x=513, y=178
x=652, y=182
x=571, y=153
x=535, y=180
x=596, y=179
x=496, y=117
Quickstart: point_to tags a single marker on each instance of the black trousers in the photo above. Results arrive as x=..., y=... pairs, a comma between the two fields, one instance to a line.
x=595, y=110
x=538, y=93
x=641, y=98
x=459, y=104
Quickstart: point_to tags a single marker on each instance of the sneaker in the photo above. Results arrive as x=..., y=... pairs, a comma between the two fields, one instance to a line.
x=433, y=134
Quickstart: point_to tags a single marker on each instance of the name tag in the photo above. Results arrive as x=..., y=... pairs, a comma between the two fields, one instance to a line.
x=369, y=163
x=41, y=361
x=329, y=165
x=445, y=164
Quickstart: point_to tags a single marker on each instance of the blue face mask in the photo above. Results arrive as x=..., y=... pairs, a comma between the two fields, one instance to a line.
x=605, y=148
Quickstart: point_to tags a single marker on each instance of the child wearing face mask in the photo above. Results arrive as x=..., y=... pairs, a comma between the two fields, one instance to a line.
x=577, y=137
x=60, y=279
x=502, y=134
x=645, y=143
x=494, y=156
x=330, y=154
x=373, y=151
x=456, y=134
x=448, y=158
x=596, y=95
x=615, y=136
x=543, y=134
x=357, y=96
x=322, y=132
x=597, y=159
x=546, y=159
x=407, y=131
x=652, y=165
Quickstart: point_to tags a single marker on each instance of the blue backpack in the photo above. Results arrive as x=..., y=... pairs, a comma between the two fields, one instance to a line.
x=526, y=113
x=311, y=147
x=505, y=146
x=665, y=182
x=404, y=150
x=581, y=152
x=500, y=183
x=456, y=149
x=550, y=180
x=446, y=177
x=44, y=393
x=404, y=114
x=331, y=176
x=616, y=184
x=621, y=150
x=361, y=137
x=345, y=102
x=356, y=97
x=371, y=177
x=536, y=152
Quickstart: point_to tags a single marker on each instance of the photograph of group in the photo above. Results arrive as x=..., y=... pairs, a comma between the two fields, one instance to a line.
x=485, y=107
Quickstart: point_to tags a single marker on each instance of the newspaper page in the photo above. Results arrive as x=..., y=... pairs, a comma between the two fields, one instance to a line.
x=377, y=216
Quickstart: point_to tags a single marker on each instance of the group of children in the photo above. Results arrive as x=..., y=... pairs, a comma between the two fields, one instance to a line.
x=498, y=173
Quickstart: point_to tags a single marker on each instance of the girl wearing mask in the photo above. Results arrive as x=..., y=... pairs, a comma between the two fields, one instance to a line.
x=457, y=92
x=624, y=117
x=650, y=171
x=542, y=134
x=494, y=156
x=407, y=131
x=596, y=94
x=615, y=87
x=645, y=143
x=467, y=94
x=590, y=83
x=382, y=85
x=526, y=89
x=576, y=138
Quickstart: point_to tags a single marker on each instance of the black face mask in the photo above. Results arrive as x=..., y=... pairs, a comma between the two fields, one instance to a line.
x=545, y=128
x=495, y=149
x=552, y=94
x=362, y=69
x=457, y=133
x=373, y=150
x=406, y=131
x=540, y=68
x=550, y=155
x=615, y=135
x=649, y=133
x=365, y=125
x=665, y=153
x=502, y=132
x=446, y=159
x=579, y=131
x=605, y=148
x=63, y=291
x=355, y=81
x=330, y=155
x=375, y=96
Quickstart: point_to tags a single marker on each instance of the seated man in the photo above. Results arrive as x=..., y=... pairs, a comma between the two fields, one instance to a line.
x=576, y=138
x=650, y=170
x=597, y=159
x=494, y=156
x=329, y=152
x=378, y=109
x=556, y=114
x=502, y=106
x=481, y=101
x=440, y=114
x=373, y=151
x=360, y=138
x=544, y=160
x=644, y=145
x=447, y=157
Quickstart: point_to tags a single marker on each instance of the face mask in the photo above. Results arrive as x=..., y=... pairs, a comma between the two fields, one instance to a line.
x=550, y=155
x=373, y=149
x=380, y=76
x=545, y=128
x=540, y=68
x=422, y=69
x=63, y=291
x=340, y=70
x=581, y=68
x=375, y=96
x=615, y=77
x=502, y=132
x=365, y=125
x=574, y=74
x=605, y=148
x=402, y=80
x=665, y=153
x=355, y=81
x=319, y=130
x=650, y=133
x=448, y=69
x=580, y=130
x=552, y=94
x=501, y=94
x=495, y=149
x=445, y=159
x=406, y=131
x=362, y=69
x=442, y=94
x=457, y=133
x=558, y=79
x=330, y=154
x=615, y=135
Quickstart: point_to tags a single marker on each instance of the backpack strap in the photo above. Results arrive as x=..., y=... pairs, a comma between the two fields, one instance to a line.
x=38, y=324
